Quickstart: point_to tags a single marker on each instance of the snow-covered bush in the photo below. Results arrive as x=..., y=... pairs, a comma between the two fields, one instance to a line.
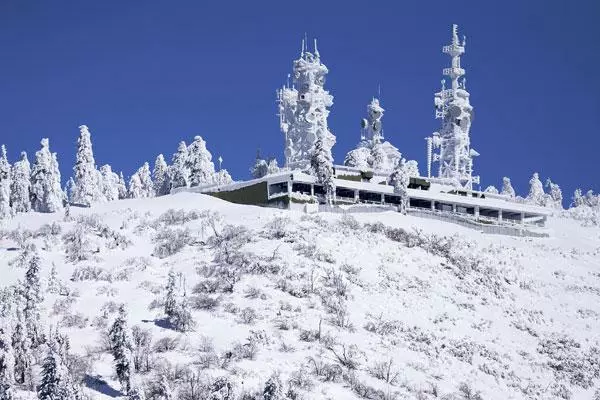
x=141, y=340
x=248, y=315
x=91, y=273
x=166, y=344
x=385, y=371
x=170, y=241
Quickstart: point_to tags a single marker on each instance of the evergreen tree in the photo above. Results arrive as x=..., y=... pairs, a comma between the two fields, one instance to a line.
x=507, y=188
x=110, y=183
x=5, y=184
x=260, y=168
x=181, y=319
x=160, y=175
x=122, y=187
x=400, y=179
x=222, y=177
x=140, y=184
x=378, y=157
x=46, y=193
x=86, y=189
x=273, y=167
x=273, y=389
x=136, y=393
x=7, y=359
x=555, y=194
x=179, y=173
x=171, y=296
x=56, y=381
x=21, y=352
x=199, y=163
x=578, y=199
x=20, y=185
x=412, y=168
x=32, y=296
x=322, y=166
x=536, y=191
x=491, y=189
x=120, y=344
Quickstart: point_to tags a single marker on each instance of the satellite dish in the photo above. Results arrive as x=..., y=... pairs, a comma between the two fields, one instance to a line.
x=364, y=123
x=377, y=126
x=454, y=111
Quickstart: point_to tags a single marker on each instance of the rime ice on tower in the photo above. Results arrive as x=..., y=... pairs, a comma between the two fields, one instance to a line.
x=303, y=109
x=373, y=152
x=452, y=106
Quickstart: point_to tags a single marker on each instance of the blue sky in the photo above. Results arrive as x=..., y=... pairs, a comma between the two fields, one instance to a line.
x=145, y=75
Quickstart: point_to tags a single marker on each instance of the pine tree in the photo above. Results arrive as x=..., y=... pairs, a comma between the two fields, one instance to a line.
x=56, y=381
x=53, y=281
x=135, y=187
x=322, y=166
x=536, y=191
x=110, y=183
x=199, y=163
x=260, y=168
x=507, y=188
x=21, y=351
x=136, y=393
x=179, y=174
x=171, y=296
x=140, y=184
x=122, y=187
x=273, y=389
x=86, y=190
x=5, y=184
x=7, y=359
x=120, y=344
x=400, y=180
x=491, y=189
x=273, y=167
x=378, y=157
x=160, y=176
x=181, y=319
x=412, y=168
x=222, y=177
x=20, y=185
x=578, y=199
x=555, y=194
x=32, y=296
x=46, y=193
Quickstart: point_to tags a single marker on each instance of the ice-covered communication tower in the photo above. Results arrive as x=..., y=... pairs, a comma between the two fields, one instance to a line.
x=371, y=126
x=452, y=141
x=303, y=109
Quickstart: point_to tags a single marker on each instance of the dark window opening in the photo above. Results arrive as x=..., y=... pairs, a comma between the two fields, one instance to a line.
x=369, y=196
x=277, y=188
x=419, y=203
x=345, y=193
x=303, y=188
x=391, y=199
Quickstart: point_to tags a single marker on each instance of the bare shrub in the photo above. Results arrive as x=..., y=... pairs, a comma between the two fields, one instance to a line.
x=91, y=273
x=166, y=344
x=141, y=341
x=252, y=293
x=170, y=241
x=468, y=393
x=248, y=315
x=208, y=360
x=301, y=379
x=346, y=356
x=77, y=320
x=385, y=371
x=204, y=302
x=325, y=371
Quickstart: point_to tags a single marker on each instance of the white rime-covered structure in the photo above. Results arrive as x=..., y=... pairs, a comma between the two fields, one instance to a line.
x=451, y=145
x=373, y=152
x=303, y=109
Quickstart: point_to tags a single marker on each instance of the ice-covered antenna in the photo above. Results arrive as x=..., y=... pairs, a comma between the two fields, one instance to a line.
x=316, y=50
x=220, y=162
x=379, y=90
x=288, y=80
x=302, y=49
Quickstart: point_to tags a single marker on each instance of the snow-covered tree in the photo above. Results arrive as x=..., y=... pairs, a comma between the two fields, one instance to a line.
x=5, y=210
x=163, y=389
x=536, y=191
x=222, y=177
x=87, y=189
x=359, y=158
x=136, y=393
x=110, y=183
x=199, y=163
x=140, y=184
x=555, y=195
x=120, y=344
x=21, y=352
x=122, y=187
x=400, y=180
x=171, y=295
x=273, y=389
x=321, y=163
x=491, y=189
x=181, y=319
x=260, y=168
x=578, y=199
x=20, y=185
x=56, y=380
x=7, y=360
x=160, y=175
x=507, y=188
x=46, y=192
x=378, y=159
x=179, y=174
x=412, y=168
x=273, y=167
x=32, y=296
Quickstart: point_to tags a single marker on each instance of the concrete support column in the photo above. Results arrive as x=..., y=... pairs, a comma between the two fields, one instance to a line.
x=382, y=198
x=432, y=205
x=312, y=190
x=356, y=196
x=522, y=218
x=499, y=215
x=453, y=208
x=477, y=212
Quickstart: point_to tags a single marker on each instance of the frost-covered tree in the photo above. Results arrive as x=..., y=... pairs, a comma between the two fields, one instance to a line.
x=46, y=192
x=21, y=352
x=33, y=298
x=110, y=183
x=120, y=344
x=86, y=189
x=20, y=185
x=491, y=189
x=199, y=163
x=273, y=389
x=140, y=184
x=163, y=389
x=181, y=318
x=7, y=359
x=136, y=393
x=555, y=195
x=260, y=168
x=578, y=199
x=412, y=168
x=359, y=158
x=122, y=187
x=273, y=167
x=536, y=191
x=179, y=174
x=321, y=163
x=400, y=180
x=5, y=210
x=222, y=177
x=56, y=380
x=507, y=188
x=378, y=157
x=171, y=295
x=6, y=391
x=160, y=175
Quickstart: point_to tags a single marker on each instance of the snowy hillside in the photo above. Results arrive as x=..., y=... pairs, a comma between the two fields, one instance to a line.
x=327, y=306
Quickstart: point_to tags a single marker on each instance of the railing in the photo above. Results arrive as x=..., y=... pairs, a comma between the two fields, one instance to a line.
x=450, y=71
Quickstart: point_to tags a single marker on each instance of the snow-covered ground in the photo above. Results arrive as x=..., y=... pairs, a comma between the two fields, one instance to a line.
x=365, y=305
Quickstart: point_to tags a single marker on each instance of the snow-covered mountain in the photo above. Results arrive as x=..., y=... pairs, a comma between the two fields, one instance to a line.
x=325, y=306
